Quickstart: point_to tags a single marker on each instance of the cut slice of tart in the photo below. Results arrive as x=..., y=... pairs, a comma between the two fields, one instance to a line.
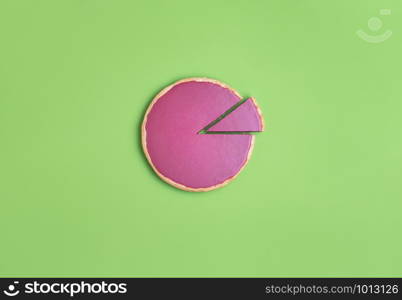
x=243, y=117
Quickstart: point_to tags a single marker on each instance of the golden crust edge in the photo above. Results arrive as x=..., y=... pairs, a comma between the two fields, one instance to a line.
x=259, y=112
x=144, y=135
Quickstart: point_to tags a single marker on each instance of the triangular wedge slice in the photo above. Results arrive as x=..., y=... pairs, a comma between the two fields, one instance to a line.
x=245, y=118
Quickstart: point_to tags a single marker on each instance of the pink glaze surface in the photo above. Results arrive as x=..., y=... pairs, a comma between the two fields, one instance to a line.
x=243, y=118
x=175, y=148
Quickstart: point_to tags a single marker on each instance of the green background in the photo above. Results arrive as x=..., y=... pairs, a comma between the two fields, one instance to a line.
x=321, y=195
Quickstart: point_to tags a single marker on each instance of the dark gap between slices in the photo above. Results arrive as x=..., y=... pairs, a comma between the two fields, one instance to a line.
x=231, y=132
x=221, y=117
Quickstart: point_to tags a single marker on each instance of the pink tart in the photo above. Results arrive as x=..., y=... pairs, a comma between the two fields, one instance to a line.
x=186, y=158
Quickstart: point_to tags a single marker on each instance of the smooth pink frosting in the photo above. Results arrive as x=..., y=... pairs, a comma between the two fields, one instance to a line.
x=176, y=149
